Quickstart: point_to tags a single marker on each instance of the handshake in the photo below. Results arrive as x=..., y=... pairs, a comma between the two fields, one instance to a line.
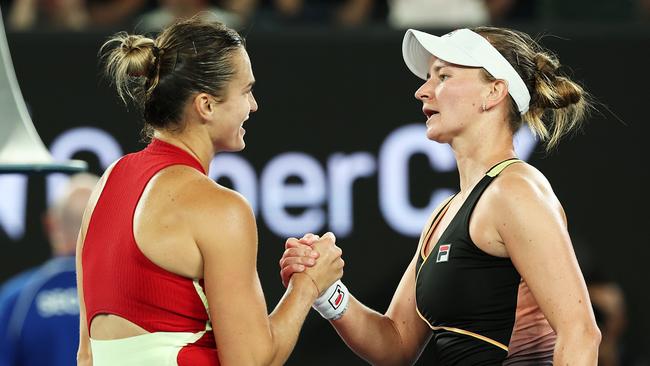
x=320, y=259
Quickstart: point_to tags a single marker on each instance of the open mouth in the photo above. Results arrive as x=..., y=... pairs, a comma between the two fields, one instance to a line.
x=428, y=112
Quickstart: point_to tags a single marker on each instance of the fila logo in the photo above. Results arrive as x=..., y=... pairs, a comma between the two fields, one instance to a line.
x=337, y=297
x=443, y=253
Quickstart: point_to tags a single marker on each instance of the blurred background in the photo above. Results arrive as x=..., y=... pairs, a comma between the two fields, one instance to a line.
x=338, y=142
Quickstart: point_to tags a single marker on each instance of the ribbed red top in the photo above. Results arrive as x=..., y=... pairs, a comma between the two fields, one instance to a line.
x=117, y=278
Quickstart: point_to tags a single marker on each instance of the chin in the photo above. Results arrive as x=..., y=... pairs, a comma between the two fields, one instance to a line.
x=433, y=135
x=236, y=148
x=239, y=147
x=441, y=139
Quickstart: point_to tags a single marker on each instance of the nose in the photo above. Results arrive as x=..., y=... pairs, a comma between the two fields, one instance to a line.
x=253, y=103
x=425, y=91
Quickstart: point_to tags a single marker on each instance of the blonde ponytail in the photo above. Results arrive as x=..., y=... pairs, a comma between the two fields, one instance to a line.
x=558, y=105
x=556, y=99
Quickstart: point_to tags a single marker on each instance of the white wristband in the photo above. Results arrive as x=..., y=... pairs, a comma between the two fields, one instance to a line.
x=333, y=302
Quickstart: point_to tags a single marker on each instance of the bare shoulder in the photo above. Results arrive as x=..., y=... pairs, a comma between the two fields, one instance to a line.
x=522, y=189
x=522, y=180
x=215, y=214
x=199, y=194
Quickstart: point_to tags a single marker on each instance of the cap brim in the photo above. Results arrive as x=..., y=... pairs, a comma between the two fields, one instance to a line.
x=418, y=47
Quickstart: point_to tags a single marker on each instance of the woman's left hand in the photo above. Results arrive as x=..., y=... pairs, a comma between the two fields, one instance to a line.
x=297, y=256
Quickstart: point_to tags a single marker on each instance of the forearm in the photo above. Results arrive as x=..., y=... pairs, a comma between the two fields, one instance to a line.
x=287, y=318
x=578, y=347
x=84, y=354
x=371, y=335
x=85, y=360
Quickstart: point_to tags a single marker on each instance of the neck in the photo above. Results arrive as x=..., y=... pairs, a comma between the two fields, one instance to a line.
x=478, y=152
x=194, y=144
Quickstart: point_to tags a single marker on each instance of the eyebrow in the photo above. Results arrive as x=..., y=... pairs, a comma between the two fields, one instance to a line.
x=438, y=67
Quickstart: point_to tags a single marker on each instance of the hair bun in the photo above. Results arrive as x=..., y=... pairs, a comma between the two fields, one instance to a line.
x=546, y=64
x=127, y=56
x=139, y=51
x=128, y=43
x=568, y=92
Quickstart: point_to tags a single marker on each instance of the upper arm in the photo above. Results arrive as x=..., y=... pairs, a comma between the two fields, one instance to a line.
x=413, y=331
x=226, y=234
x=532, y=225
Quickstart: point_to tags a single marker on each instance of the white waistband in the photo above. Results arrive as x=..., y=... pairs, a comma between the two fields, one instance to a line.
x=160, y=348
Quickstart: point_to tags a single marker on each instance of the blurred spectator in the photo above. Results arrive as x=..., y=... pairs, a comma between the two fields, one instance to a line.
x=447, y=13
x=71, y=14
x=346, y=13
x=608, y=301
x=233, y=13
x=39, y=310
x=609, y=307
x=53, y=14
x=243, y=8
x=115, y=13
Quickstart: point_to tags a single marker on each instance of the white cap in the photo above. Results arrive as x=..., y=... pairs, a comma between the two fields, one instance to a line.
x=466, y=48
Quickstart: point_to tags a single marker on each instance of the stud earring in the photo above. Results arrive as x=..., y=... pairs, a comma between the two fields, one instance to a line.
x=483, y=107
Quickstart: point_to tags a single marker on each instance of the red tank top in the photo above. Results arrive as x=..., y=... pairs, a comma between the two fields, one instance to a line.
x=117, y=277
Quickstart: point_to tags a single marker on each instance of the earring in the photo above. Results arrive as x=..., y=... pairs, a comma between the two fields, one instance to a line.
x=483, y=107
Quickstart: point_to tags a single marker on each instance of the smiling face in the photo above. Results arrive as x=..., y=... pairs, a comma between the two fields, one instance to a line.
x=233, y=110
x=451, y=99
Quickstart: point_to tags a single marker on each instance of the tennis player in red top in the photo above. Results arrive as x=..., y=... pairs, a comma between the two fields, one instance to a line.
x=166, y=258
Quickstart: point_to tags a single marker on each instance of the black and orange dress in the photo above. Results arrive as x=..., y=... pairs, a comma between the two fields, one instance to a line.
x=480, y=310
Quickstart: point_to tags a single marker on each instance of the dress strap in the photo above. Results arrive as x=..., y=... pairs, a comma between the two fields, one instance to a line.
x=496, y=170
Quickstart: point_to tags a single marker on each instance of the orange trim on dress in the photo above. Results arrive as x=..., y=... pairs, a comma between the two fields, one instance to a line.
x=462, y=331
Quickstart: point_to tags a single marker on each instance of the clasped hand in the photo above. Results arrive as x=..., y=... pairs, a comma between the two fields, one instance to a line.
x=318, y=257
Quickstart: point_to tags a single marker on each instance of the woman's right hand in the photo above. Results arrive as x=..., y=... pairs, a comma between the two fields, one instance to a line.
x=318, y=257
x=298, y=255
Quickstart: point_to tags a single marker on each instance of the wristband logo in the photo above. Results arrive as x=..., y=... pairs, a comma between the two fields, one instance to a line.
x=443, y=253
x=337, y=297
